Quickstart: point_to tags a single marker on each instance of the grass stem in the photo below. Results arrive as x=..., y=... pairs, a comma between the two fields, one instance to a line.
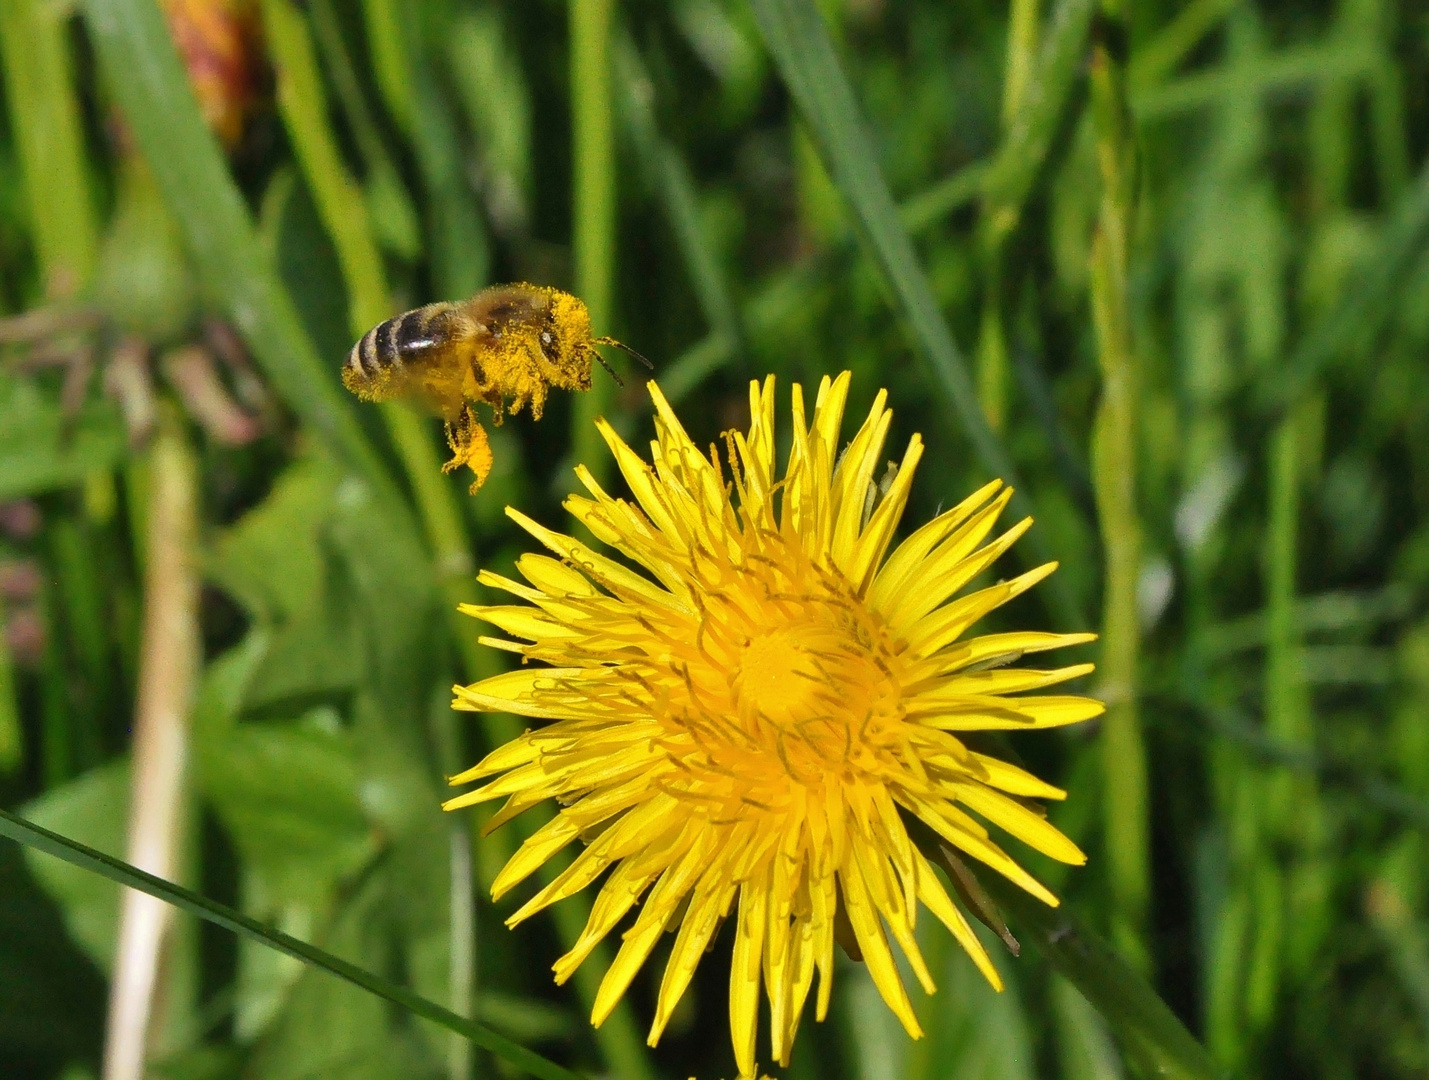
x=1114, y=461
x=593, y=206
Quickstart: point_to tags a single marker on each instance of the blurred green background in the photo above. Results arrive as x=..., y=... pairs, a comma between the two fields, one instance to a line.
x=1163, y=263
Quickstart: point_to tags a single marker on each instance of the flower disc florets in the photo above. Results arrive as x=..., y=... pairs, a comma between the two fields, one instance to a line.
x=753, y=716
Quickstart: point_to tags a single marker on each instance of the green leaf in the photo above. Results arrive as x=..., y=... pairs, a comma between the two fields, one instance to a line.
x=328, y=1028
x=288, y=795
x=269, y=560
x=38, y=454
x=96, y=862
x=275, y=562
x=95, y=807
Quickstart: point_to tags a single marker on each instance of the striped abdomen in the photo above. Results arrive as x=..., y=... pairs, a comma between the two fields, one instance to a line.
x=389, y=347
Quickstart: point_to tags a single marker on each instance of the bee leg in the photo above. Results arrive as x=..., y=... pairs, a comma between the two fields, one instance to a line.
x=539, y=381
x=538, y=400
x=470, y=447
x=498, y=405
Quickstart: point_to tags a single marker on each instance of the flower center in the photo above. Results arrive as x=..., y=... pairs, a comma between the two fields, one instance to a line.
x=811, y=693
x=782, y=673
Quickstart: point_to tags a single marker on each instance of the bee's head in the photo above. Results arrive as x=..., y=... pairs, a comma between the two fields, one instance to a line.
x=565, y=339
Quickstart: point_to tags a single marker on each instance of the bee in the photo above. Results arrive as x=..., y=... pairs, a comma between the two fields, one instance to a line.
x=507, y=346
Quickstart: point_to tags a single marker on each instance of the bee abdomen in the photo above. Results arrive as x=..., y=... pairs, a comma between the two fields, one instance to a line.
x=396, y=342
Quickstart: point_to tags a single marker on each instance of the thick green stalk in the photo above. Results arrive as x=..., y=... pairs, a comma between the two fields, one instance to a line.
x=593, y=210
x=1021, y=65
x=45, y=120
x=1114, y=462
x=1287, y=714
x=992, y=358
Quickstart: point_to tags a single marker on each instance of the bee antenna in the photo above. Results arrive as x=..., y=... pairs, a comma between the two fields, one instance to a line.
x=623, y=348
x=618, y=380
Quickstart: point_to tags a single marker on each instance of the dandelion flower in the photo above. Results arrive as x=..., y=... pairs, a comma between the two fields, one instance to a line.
x=741, y=729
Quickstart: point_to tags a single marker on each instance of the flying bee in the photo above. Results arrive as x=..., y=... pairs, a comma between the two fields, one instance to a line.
x=506, y=346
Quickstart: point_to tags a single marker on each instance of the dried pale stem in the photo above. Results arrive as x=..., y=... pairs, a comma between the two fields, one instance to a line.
x=169, y=660
x=1114, y=477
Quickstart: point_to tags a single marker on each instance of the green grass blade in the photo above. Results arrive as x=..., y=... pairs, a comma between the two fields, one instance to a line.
x=153, y=92
x=930, y=206
x=86, y=858
x=389, y=205
x=1125, y=788
x=1301, y=65
x=391, y=61
x=49, y=139
x=804, y=52
x=1154, y=62
x=1149, y=1033
x=1362, y=308
x=457, y=241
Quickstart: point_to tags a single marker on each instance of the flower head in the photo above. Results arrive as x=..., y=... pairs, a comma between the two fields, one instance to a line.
x=742, y=728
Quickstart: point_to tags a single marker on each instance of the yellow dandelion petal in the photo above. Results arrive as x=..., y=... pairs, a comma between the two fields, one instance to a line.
x=741, y=718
